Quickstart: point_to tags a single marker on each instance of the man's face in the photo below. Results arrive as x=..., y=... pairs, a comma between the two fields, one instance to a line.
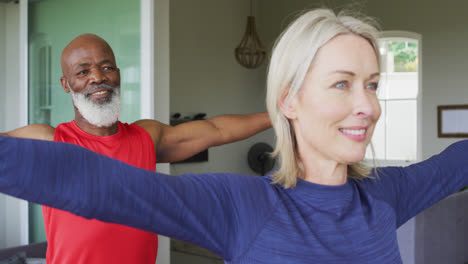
x=89, y=66
x=92, y=77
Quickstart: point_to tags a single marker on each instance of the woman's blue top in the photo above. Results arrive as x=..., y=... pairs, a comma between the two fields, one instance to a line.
x=244, y=219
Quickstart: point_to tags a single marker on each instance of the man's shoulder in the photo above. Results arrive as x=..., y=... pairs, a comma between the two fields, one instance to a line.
x=136, y=126
x=152, y=128
x=34, y=131
x=147, y=123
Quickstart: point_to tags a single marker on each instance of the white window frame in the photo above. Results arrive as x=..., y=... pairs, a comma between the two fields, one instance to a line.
x=405, y=35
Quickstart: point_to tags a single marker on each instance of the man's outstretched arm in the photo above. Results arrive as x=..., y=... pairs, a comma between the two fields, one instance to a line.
x=33, y=131
x=176, y=143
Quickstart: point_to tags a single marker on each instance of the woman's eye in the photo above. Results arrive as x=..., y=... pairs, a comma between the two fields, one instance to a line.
x=341, y=85
x=373, y=86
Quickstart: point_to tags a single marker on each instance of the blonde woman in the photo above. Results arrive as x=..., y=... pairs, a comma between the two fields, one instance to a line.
x=321, y=206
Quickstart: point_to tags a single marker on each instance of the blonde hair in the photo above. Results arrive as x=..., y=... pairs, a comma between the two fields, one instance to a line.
x=291, y=58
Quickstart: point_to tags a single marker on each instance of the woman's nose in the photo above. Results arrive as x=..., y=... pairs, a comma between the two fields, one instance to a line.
x=366, y=104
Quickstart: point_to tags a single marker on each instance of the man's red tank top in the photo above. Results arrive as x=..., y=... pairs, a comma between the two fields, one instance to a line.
x=74, y=239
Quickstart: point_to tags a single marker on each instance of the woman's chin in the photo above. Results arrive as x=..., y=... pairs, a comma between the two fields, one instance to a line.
x=355, y=157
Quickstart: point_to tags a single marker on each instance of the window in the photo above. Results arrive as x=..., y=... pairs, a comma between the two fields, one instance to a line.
x=396, y=136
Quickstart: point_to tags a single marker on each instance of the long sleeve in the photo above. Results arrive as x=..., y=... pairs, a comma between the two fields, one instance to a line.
x=415, y=188
x=205, y=209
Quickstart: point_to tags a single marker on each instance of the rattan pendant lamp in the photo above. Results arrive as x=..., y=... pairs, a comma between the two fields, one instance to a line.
x=250, y=53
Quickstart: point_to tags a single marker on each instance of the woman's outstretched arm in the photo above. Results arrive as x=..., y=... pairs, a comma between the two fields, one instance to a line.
x=414, y=188
x=201, y=209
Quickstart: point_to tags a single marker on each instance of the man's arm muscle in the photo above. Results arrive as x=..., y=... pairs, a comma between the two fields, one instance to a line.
x=176, y=143
x=33, y=131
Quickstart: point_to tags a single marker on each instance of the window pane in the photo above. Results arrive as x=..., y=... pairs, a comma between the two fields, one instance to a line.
x=403, y=55
x=401, y=130
x=401, y=85
x=378, y=139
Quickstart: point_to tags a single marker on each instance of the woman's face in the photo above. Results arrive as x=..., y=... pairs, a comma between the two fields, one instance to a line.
x=335, y=112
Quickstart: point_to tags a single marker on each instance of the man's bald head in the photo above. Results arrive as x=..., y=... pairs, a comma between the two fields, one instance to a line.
x=81, y=44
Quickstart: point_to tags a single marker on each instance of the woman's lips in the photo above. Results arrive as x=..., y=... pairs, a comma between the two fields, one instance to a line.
x=356, y=133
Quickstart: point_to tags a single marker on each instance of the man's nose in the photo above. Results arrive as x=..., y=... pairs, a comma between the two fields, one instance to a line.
x=98, y=76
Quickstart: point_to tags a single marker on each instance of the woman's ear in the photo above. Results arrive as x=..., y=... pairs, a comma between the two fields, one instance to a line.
x=288, y=107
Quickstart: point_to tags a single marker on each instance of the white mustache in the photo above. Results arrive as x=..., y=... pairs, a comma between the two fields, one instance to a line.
x=100, y=86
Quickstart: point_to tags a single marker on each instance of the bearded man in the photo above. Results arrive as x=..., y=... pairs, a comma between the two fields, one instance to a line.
x=91, y=75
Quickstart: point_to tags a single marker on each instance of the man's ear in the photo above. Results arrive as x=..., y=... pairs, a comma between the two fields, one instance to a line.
x=64, y=83
x=288, y=107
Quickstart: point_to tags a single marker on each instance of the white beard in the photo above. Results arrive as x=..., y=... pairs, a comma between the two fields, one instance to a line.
x=100, y=115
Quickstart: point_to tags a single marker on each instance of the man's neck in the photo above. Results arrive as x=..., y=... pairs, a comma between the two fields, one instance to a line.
x=94, y=130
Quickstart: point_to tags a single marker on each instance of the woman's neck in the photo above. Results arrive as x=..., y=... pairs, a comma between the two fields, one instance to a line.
x=322, y=171
x=327, y=176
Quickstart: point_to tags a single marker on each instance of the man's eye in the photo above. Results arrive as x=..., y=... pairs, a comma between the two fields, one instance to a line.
x=108, y=68
x=83, y=72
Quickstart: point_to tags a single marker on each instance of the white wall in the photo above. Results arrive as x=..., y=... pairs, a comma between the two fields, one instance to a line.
x=205, y=76
x=9, y=63
x=12, y=61
x=10, y=229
